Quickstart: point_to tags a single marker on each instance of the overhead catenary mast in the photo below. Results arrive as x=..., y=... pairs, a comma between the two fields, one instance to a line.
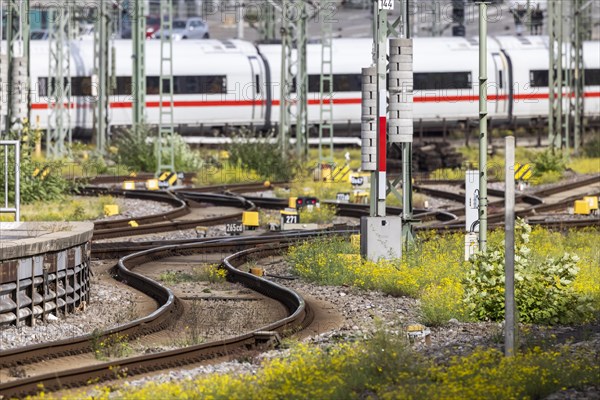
x=165, y=148
x=59, y=83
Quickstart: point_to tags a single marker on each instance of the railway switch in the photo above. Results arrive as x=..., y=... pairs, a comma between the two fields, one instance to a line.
x=250, y=220
x=582, y=207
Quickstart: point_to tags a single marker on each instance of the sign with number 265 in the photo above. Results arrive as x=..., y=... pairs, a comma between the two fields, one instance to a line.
x=386, y=4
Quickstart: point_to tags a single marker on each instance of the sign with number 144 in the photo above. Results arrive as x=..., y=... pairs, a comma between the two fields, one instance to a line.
x=386, y=4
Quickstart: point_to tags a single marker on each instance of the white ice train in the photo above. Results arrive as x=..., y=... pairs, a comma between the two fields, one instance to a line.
x=235, y=83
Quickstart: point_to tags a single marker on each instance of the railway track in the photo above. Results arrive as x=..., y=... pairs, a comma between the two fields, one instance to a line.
x=180, y=199
x=299, y=316
x=165, y=222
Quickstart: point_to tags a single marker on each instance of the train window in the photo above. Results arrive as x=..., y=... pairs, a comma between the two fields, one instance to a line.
x=152, y=85
x=442, y=80
x=215, y=84
x=341, y=83
x=538, y=78
x=123, y=86
x=591, y=77
x=43, y=86
x=80, y=85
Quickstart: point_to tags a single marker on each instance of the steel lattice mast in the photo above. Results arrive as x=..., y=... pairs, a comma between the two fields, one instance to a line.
x=383, y=30
x=101, y=76
x=326, y=88
x=14, y=66
x=138, y=35
x=267, y=25
x=302, y=83
x=165, y=151
x=567, y=29
x=59, y=83
x=577, y=34
x=294, y=79
x=555, y=73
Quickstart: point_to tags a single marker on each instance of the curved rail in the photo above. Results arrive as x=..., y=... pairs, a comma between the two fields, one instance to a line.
x=180, y=207
x=299, y=316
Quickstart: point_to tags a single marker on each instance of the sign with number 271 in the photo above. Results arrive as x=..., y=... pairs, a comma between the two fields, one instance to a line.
x=386, y=4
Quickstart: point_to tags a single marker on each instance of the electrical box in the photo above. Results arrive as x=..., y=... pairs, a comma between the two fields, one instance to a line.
x=250, y=219
x=111, y=209
x=472, y=201
x=381, y=237
x=582, y=207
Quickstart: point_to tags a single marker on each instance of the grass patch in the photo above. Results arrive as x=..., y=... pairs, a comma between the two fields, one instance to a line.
x=384, y=368
x=329, y=190
x=322, y=215
x=435, y=272
x=69, y=209
x=210, y=273
x=223, y=174
x=585, y=165
x=548, y=167
x=113, y=346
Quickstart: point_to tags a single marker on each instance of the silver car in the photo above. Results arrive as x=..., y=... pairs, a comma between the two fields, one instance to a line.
x=191, y=28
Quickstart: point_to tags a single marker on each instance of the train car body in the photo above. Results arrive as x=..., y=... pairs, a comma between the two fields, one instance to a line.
x=221, y=83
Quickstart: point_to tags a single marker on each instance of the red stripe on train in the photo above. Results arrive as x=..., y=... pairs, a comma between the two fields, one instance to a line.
x=245, y=103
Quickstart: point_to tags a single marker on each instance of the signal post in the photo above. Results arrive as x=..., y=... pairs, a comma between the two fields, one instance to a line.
x=381, y=235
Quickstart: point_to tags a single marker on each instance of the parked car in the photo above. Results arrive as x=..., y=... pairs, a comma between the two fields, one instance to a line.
x=192, y=28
